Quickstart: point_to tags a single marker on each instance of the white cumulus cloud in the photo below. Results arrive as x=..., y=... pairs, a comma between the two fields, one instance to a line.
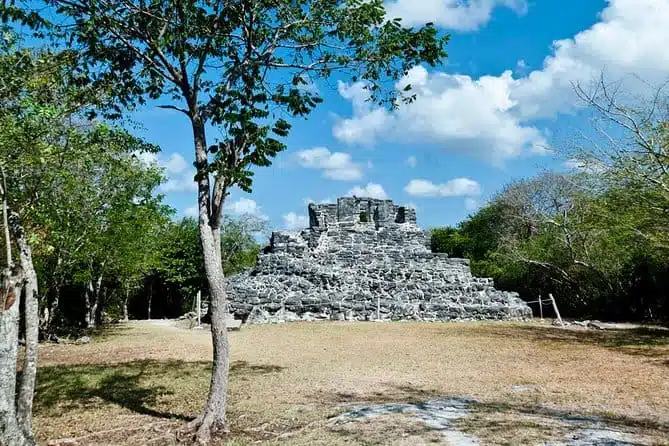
x=246, y=206
x=292, y=221
x=181, y=183
x=175, y=164
x=411, y=161
x=454, y=111
x=335, y=165
x=630, y=38
x=458, y=187
x=462, y=15
x=327, y=200
x=371, y=190
x=494, y=116
x=179, y=175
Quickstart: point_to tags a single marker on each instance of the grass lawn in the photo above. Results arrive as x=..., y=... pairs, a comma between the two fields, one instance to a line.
x=138, y=382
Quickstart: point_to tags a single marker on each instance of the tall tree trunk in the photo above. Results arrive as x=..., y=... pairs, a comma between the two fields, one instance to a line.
x=52, y=310
x=100, y=305
x=93, y=301
x=88, y=297
x=51, y=300
x=125, y=303
x=148, y=310
x=212, y=418
x=27, y=388
x=11, y=432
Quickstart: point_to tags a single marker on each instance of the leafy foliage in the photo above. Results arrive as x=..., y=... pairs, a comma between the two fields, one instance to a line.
x=89, y=205
x=558, y=234
x=244, y=67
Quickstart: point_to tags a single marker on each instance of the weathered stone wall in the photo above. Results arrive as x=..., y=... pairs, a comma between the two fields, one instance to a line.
x=351, y=270
x=349, y=210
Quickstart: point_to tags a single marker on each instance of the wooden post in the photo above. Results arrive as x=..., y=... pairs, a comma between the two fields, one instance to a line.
x=378, y=308
x=541, y=309
x=199, y=307
x=557, y=313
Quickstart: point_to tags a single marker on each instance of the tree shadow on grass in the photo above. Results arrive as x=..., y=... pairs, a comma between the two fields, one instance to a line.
x=651, y=343
x=138, y=386
x=245, y=368
x=392, y=394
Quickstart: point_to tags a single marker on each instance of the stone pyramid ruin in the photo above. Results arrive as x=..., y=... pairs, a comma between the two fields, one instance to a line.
x=364, y=259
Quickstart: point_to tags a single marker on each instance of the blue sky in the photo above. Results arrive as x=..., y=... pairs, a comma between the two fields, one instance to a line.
x=482, y=119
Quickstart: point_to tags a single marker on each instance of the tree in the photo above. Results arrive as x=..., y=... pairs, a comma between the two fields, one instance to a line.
x=239, y=246
x=555, y=233
x=122, y=211
x=11, y=428
x=22, y=111
x=448, y=240
x=241, y=66
x=52, y=159
x=629, y=151
x=180, y=266
x=14, y=429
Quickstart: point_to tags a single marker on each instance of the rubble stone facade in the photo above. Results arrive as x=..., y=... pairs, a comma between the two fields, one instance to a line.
x=364, y=259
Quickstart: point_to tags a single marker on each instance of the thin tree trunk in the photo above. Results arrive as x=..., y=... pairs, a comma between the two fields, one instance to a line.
x=100, y=305
x=52, y=300
x=148, y=310
x=125, y=303
x=53, y=309
x=27, y=387
x=11, y=432
x=5, y=217
x=94, y=294
x=212, y=418
x=45, y=315
x=88, y=297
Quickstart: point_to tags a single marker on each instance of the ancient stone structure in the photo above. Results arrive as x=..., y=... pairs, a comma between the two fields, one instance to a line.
x=364, y=259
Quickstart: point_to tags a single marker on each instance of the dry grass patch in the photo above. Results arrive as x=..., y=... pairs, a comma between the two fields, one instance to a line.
x=288, y=380
x=396, y=430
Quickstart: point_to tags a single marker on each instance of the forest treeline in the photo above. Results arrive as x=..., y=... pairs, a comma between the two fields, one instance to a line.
x=104, y=245
x=595, y=236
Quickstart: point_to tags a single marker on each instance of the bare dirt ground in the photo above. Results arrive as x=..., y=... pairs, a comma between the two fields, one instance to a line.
x=363, y=383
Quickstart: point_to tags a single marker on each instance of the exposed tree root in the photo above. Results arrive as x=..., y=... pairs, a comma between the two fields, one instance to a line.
x=203, y=428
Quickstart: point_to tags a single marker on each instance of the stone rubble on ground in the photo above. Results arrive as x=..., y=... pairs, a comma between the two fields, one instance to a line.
x=442, y=413
x=364, y=259
x=438, y=414
x=83, y=340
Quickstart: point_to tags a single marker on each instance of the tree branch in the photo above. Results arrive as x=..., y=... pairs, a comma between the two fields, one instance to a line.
x=174, y=107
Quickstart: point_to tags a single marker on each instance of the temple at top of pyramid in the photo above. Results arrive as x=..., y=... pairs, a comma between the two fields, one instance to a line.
x=364, y=259
x=351, y=210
